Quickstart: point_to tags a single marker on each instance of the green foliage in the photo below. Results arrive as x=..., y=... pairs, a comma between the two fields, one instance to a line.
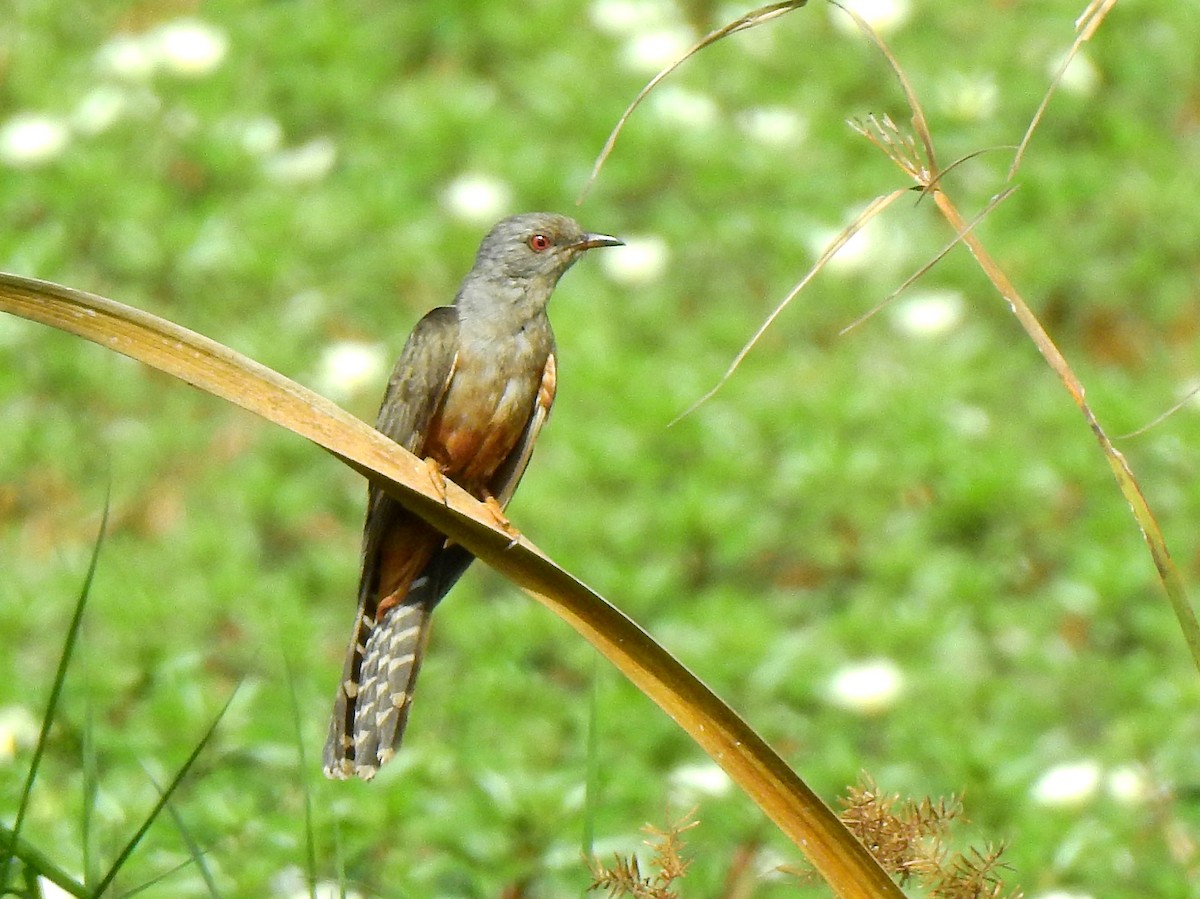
x=928, y=498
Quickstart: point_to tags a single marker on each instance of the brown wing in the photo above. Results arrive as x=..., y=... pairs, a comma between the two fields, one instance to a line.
x=414, y=394
x=508, y=475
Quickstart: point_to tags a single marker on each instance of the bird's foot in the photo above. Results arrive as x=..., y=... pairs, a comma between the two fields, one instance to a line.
x=493, y=506
x=438, y=478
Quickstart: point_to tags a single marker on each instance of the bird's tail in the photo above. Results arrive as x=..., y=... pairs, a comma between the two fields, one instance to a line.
x=375, y=695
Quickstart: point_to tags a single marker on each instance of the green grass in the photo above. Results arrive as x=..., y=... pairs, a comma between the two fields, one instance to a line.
x=937, y=501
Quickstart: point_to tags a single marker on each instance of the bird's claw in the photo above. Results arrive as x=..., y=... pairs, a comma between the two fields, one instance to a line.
x=493, y=506
x=438, y=479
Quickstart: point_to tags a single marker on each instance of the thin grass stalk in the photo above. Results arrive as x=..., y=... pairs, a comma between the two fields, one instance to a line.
x=310, y=829
x=60, y=677
x=163, y=799
x=193, y=847
x=38, y=864
x=898, y=147
x=1130, y=489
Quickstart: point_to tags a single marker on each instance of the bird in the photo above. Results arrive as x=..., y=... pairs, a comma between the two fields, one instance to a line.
x=469, y=395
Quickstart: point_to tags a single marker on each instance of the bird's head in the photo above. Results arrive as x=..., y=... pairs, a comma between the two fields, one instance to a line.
x=537, y=247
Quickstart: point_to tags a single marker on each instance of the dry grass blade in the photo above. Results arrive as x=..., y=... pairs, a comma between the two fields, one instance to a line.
x=749, y=20
x=911, y=279
x=919, y=122
x=874, y=208
x=897, y=146
x=1085, y=26
x=1151, y=532
x=1191, y=394
x=748, y=760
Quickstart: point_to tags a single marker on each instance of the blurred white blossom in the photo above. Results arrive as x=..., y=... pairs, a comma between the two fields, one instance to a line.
x=188, y=47
x=476, y=198
x=1130, y=784
x=642, y=260
x=349, y=366
x=690, y=783
x=127, y=56
x=1081, y=77
x=867, y=688
x=872, y=245
x=305, y=164
x=291, y=883
x=1068, y=785
x=969, y=421
x=776, y=126
x=30, y=139
x=931, y=313
x=885, y=16
x=682, y=107
x=18, y=728
x=969, y=98
x=99, y=109
x=261, y=136
x=651, y=51
x=622, y=18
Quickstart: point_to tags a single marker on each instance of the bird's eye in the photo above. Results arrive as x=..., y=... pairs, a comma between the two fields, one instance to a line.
x=539, y=242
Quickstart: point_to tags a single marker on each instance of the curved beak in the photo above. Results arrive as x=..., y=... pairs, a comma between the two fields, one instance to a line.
x=591, y=241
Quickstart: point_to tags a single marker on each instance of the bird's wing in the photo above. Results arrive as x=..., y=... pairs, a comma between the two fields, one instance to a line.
x=419, y=381
x=414, y=394
x=358, y=742
x=508, y=475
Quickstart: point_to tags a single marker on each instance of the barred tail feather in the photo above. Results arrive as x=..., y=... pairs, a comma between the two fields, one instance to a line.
x=373, y=702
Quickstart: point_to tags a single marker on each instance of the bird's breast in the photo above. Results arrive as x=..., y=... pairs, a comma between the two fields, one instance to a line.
x=487, y=406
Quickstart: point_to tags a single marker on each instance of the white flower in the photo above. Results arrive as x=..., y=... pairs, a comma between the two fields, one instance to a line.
x=476, y=198
x=651, y=51
x=854, y=255
x=305, y=164
x=1130, y=785
x=932, y=313
x=697, y=781
x=349, y=366
x=188, y=47
x=680, y=106
x=1068, y=785
x=885, y=16
x=776, y=126
x=1062, y=894
x=290, y=883
x=867, y=688
x=29, y=139
x=642, y=260
x=969, y=97
x=1080, y=78
x=17, y=728
x=261, y=136
x=969, y=421
x=100, y=109
x=127, y=56
x=622, y=18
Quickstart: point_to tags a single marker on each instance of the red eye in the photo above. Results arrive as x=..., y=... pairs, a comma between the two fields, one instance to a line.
x=539, y=243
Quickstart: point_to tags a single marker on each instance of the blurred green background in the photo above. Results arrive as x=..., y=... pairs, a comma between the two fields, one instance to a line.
x=897, y=551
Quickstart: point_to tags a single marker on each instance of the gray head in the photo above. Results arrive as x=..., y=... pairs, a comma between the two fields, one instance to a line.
x=535, y=248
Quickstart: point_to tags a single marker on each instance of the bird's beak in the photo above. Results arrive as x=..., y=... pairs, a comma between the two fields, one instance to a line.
x=591, y=241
